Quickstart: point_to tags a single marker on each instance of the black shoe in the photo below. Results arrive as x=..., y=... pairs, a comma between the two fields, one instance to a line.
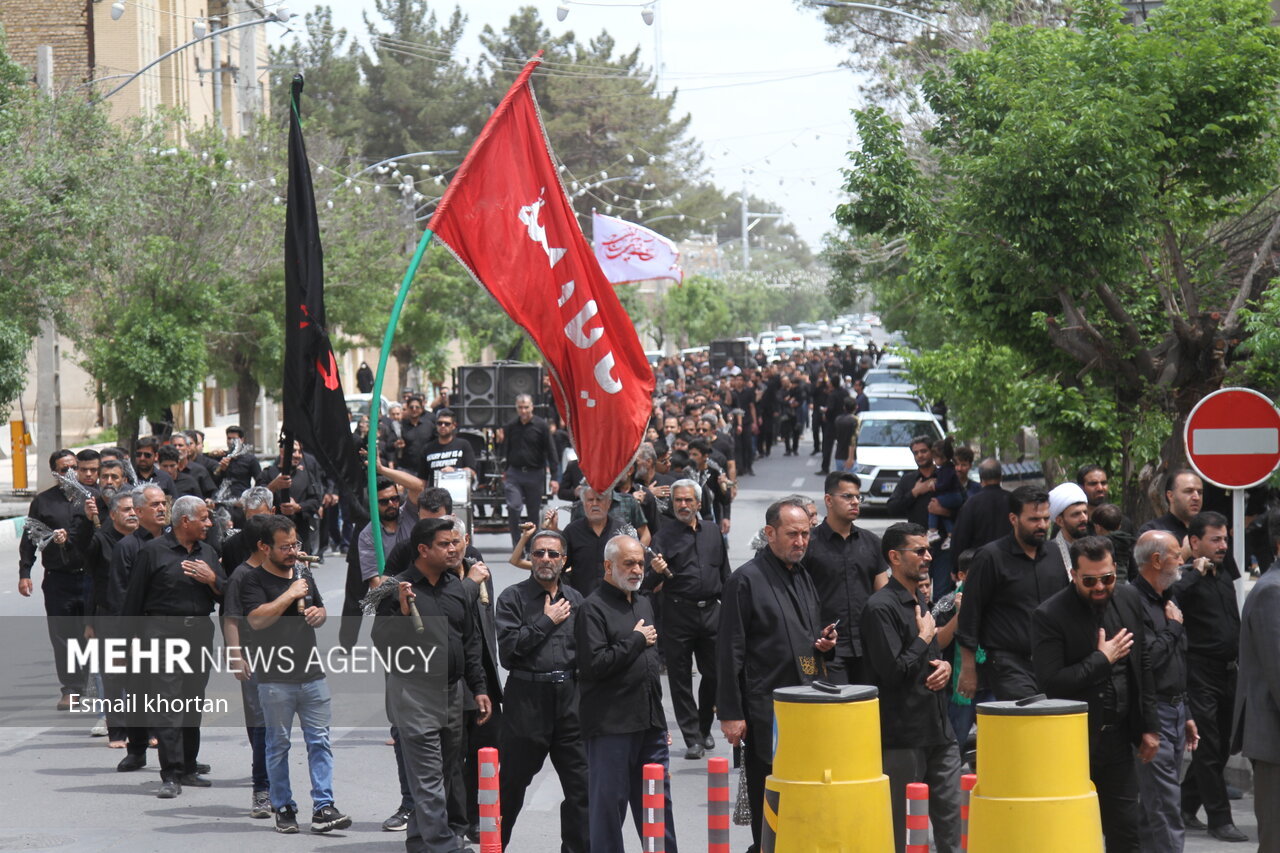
x=132, y=761
x=1227, y=832
x=708, y=742
x=194, y=780
x=694, y=752
x=287, y=820
x=473, y=834
x=1234, y=793
x=822, y=472
x=202, y=768
x=327, y=817
x=169, y=790
x=64, y=703
x=1190, y=821
x=398, y=822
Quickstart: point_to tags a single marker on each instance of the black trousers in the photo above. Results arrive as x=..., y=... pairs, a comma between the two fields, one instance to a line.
x=789, y=429
x=828, y=444
x=847, y=669
x=1211, y=691
x=177, y=724
x=65, y=597
x=1008, y=676
x=541, y=720
x=356, y=587
x=757, y=771
x=817, y=433
x=689, y=633
x=1111, y=767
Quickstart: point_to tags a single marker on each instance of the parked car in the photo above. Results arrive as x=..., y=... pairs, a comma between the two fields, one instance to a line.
x=884, y=449
x=895, y=401
x=358, y=406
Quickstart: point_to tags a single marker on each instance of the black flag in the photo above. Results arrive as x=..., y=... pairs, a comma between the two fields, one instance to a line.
x=315, y=410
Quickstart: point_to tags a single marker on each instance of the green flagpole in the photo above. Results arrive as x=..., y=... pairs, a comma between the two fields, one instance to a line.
x=375, y=403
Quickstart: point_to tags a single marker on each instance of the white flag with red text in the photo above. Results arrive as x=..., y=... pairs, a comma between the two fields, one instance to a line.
x=628, y=252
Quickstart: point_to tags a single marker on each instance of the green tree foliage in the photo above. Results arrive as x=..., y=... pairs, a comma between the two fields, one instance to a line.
x=54, y=221
x=697, y=311
x=1099, y=199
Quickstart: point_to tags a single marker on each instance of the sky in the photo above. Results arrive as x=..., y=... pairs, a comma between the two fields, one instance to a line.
x=767, y=97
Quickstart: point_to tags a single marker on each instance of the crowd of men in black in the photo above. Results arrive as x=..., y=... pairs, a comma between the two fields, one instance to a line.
x=639, y=579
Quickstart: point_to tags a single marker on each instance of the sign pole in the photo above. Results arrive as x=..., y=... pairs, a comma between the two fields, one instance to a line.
x=1237, y=545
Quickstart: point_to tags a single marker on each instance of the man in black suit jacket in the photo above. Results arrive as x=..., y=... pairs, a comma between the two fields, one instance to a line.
x=1089, y=645
x=985, y=516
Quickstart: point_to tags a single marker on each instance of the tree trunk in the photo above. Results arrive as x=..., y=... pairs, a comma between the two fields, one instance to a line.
x=404, y=360
x=127, y=429
x=247, y=389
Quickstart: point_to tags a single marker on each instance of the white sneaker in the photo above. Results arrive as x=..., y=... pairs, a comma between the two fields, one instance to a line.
x=99, y=729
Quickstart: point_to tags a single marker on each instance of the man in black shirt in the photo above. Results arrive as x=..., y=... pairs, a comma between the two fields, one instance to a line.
x=291, y=680
x=123, y=520
x=446, y=452
x=911, y=496
x=233, y=626
x=984, y=517
x=1207, y=595
x=428, y=728
x=146, y=461
x=847, y=567
x=695, y=567
x=183, y=483
x=770, y=636
x=64, y=584
x=1090, y=646
x=176, y=581
x=1159, y=558
x=298, y=495
x=623, y=724
x=187, y=465
x=530, y=453
x=906, y=665
x=1184, y=493
x=833, y=407
x=536, y=619
x=152, y=508
x=1009, y=579
x=845, y=430
x=243, y=471
x=417, y=428
x=586, y=538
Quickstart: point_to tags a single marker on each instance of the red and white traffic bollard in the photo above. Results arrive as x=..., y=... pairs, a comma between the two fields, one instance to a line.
x=487, y=800
x=717, y=805
x=917, y=818
x=967, y=781
x=653, y=802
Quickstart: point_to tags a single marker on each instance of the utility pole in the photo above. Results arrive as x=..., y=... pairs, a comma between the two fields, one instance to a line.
x=48, y=393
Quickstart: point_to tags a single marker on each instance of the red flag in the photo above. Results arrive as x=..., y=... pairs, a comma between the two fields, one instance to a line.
x=508, y=220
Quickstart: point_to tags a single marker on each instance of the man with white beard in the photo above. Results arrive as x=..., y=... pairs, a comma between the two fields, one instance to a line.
x=620, y=704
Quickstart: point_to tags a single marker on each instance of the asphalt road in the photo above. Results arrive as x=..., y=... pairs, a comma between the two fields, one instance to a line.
x=62, y=792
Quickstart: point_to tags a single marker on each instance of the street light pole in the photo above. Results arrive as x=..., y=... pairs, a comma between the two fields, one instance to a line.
x=212, y=34
x=48, y=393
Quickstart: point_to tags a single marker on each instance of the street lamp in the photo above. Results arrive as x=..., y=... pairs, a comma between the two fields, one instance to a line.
x=280, y=15
x=648, y=14
x=838, y=4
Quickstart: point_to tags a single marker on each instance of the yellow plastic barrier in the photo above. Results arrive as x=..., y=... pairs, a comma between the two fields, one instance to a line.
x=828, y=791
x=1033, y=793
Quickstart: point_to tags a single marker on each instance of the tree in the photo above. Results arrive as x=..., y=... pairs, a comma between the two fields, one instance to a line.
x=54, y=219
x=1101, y=200
x=697, y=312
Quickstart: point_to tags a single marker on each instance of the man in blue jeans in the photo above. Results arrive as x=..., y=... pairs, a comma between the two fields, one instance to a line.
x=281, y=643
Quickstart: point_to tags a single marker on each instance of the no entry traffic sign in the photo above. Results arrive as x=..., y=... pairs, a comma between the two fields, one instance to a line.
x=1233, y=438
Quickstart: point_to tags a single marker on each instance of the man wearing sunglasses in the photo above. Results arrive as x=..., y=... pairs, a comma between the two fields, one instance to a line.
x=536, y=644
x=1089, y=645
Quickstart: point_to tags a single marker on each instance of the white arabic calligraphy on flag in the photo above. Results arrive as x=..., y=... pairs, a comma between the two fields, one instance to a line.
x=628, y=252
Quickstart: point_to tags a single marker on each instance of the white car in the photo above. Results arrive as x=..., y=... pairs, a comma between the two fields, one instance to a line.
x=884, y=450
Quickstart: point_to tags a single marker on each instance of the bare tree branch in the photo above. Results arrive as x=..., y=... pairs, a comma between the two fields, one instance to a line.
x=1250, y=286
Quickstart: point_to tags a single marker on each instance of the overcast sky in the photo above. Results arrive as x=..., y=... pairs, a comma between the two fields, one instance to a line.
x=768, y=100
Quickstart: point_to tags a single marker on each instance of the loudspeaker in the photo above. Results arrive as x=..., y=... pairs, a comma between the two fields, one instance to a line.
x=487, y=392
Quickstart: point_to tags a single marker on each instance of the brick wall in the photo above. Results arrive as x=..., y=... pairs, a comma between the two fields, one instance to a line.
x=64, y=24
